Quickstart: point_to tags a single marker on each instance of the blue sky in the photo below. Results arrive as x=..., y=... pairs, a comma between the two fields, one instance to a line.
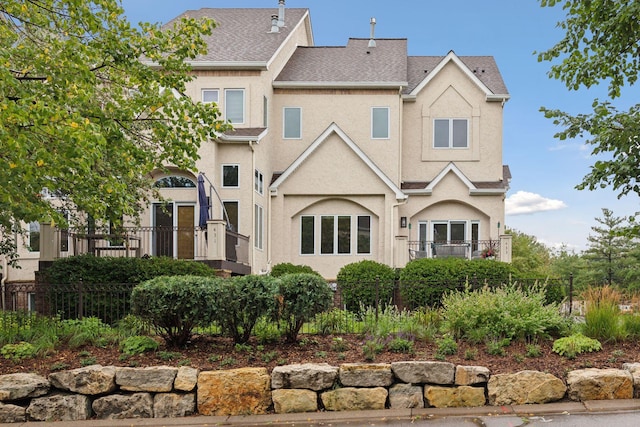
x=542, y=200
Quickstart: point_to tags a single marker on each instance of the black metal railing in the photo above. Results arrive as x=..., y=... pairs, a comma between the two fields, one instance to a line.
x=469, y=249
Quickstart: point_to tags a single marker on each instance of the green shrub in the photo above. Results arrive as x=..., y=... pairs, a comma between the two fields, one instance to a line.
x=631, y=325
x=138, y=344
x=241, y=301
x=575, y=344
x=175, y=305
x=17, y=352
x=85, y=331
x=334, y=321
x=281, y=269
x=266, y=331
x=366, y=284
x=447, y=346
x=506, y=312
x=603, y=319
x=424, y=281
x=301, y=297
x=372, y=348
x=400, y=345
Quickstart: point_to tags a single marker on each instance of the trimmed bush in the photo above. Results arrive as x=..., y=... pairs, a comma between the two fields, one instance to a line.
x=241, y=301
x=283, y=268
x=366, y=284
x=300, y=297
x=424, y=281
x=175, y=305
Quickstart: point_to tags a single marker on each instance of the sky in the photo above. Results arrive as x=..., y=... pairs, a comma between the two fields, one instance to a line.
x=542, y=200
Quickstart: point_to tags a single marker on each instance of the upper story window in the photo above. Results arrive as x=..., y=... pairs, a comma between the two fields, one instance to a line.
x=258, y=183
x=451, y=133
x=174, y=182
x=230, y=176
x=234, y=105
x=380, y=123
x=292, y=128
x=34, y=236
x=210, y=95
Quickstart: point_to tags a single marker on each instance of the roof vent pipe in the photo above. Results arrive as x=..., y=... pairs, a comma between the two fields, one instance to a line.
x=281, y=13
x=372, y=41
x=274, y=24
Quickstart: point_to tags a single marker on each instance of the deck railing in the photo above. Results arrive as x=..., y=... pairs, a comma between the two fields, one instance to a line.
x=469, y=249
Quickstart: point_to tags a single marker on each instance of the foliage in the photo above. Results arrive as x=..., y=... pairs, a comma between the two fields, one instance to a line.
x=528, y=256
x=334, y=321
x=366, y=283
x=399, y=344
x=533, y=350
x=447, y=346
x=507, y=312
x=266, y=331
x=600, y=44
x=371, y=348
x=85, y=331
x=84, y=117
x=138, y=344
x=301, y=297
x=92, y=269
x=424, y=281
x=241, y=301
x=17, y=352
x=175, y=305
x=289, y=268
x=575, y=344
x=602, y=319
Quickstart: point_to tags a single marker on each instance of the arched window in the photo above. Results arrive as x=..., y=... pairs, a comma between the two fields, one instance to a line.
x=174, y=182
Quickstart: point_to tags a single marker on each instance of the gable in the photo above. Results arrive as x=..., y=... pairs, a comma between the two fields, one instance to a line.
x=451, y=178
x=333, y=151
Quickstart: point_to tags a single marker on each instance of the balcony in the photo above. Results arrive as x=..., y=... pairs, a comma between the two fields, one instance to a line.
x=215, y=245
x=468, y=249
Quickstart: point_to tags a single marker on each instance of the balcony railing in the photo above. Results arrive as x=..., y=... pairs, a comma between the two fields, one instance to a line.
x=175, y=242
x=469, y=249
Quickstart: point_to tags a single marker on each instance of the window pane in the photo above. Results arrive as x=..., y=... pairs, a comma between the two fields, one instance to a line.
x=475, y=235
x=326, y=235
x=232, y=214
x=440, y=232
x=307, y=236
x=460, y=133
x=234, y=105
x=457, y=231
x=292, y=123
x=344, y=234
x=230, y=176
x=364, y=234
x=34, y=236
x=380, y=123
x=258, y=181
x=258, y=232
x=209, y=95
x=441, y=133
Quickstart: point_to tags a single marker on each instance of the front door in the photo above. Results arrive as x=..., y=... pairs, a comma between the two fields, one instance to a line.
x=174, y=230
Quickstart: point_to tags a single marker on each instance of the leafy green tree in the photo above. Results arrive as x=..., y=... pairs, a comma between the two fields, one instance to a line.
x=528, y=255
x=565, y=263
x=601, y=44
x=84, y=115
x=608, y=249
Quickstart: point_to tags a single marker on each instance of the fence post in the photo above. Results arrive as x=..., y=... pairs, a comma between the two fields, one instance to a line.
x=80, y=299
x=570, y=293
x=377, y=296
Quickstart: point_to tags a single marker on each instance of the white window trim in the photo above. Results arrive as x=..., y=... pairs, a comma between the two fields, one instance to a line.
x=202, y=91
x=258, y=182
x=388, y=123
x=353, y=239
x=449, y=222
x=450, y=146
x=313, y=253
x=284, y=122
x=244, y=105
x=258, y=227
x=222, y=175
x=222, y=211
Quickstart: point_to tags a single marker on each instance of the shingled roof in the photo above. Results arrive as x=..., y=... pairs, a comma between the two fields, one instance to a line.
x=354, y=63
x=243, y=35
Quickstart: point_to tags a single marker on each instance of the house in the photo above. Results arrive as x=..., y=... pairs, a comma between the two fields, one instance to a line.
x=338, y=154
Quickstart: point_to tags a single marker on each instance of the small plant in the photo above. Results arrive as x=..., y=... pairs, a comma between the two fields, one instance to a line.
x=269, y=356
x=243, y=348
x=321, y=354
x=471, y=354
x=533, y=350
x=447, y=346
x=339, y=345
x=88, y=361
x=184, y=362
x=17, y=352
x=575, y=344
x=615, y=355
x=168, y=355
x=84, y=353
x=59, y=366
x=282, y=362
x=400, y=345
x=266, y=331
x=229, y=361
x=371, y=349
x=496, y=347
x=138, y=344
x=518, y=357
x=341, y=356
x=306, y=341
x=214, y=358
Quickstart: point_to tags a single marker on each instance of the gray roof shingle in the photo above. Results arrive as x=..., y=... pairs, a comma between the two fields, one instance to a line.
x=356, y=62
x=243, y=35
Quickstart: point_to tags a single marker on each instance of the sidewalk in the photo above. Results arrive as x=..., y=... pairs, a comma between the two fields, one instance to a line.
x=381, y=417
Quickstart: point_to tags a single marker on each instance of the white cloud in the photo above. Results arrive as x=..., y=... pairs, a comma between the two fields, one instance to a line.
x=523, y=202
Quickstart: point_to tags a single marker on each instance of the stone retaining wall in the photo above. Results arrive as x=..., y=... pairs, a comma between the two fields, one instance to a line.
x=108, y=392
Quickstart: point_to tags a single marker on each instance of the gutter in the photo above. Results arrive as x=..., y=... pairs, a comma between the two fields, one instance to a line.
x=338, y=85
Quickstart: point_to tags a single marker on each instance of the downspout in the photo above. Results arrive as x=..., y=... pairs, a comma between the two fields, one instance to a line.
x=253, y=208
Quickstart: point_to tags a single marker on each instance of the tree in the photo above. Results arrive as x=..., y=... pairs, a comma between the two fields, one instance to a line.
x=84, y=117
x=601, y=44
x=608, y=249
x=529, y=256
